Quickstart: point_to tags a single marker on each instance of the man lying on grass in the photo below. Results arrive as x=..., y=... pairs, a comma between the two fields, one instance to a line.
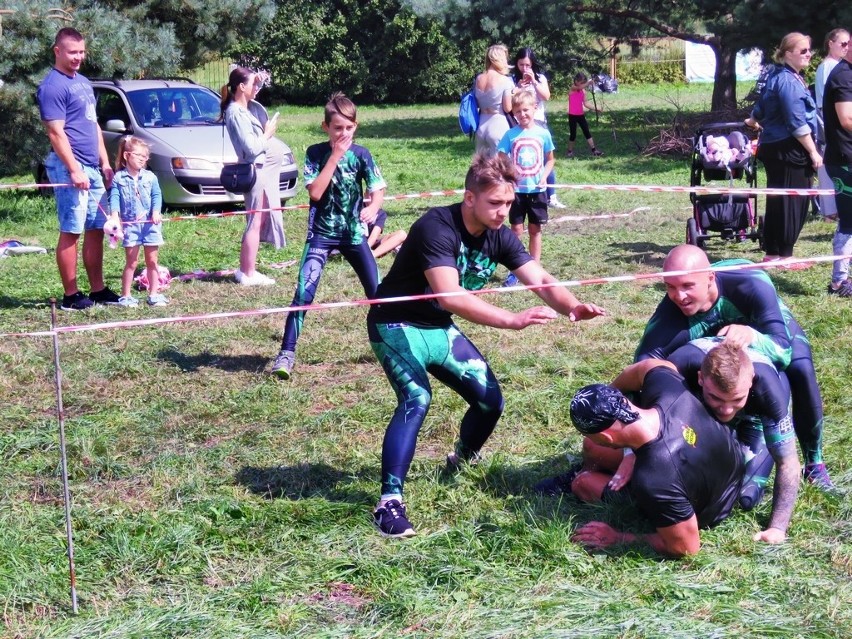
x=688, y=467
x=756, y=410
x=452, y=249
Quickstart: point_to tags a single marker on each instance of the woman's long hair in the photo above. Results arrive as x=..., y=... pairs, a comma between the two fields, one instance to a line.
x=238, y=76
x=526, y=52
x=497, y=57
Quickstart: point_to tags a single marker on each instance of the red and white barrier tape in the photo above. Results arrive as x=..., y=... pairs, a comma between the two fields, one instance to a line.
x=638, y=188
x=627, y=188
x=326, y=306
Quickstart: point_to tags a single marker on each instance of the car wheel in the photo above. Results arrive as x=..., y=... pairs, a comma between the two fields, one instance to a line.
x=41, y=178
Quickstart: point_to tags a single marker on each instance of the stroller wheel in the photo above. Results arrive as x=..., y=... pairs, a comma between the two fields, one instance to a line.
x=693, y=235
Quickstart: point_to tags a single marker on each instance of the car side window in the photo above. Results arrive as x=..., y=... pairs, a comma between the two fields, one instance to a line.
x=110, y=106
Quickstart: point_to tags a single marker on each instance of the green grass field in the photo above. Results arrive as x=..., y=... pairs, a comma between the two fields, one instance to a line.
x=212, y=501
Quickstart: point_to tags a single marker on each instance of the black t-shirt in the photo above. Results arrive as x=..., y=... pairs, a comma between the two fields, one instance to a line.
x=768, y=400
x=439, y=238
x=838, y=88
x=694, y=466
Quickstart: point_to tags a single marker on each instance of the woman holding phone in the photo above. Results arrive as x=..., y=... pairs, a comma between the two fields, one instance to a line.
x=252, y=142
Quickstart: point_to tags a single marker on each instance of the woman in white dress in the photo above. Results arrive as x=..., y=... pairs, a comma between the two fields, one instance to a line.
x=490, y=88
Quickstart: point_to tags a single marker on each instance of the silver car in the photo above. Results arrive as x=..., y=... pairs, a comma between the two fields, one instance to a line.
x=189, y=145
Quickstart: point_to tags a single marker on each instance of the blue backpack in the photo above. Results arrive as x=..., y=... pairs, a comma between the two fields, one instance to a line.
x=469, y=113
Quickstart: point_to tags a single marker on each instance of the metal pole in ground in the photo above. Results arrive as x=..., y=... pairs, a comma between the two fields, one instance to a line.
x=66, y=493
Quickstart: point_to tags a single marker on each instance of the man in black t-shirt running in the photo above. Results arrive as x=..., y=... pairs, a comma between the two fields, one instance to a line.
x=688, y=467
x=452, y=250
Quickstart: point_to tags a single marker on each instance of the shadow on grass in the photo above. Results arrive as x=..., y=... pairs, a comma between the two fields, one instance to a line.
x=502, y=480
x=618, y=510
x=14, y=302
x=787, y=287
x=648, y=253
x=232, y=363
x=305, y=480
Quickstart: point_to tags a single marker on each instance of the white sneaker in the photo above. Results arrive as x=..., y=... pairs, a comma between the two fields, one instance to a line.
x=554, y=203
x=263, y=280
x=256, y=279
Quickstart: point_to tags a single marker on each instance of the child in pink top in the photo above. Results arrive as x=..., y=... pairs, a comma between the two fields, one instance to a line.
x=577, y=106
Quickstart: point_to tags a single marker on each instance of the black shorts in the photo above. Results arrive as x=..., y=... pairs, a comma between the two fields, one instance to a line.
x=529, y=206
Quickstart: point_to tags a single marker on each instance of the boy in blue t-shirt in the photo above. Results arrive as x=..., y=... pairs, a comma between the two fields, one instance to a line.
x=334, y=174
x=530, y=148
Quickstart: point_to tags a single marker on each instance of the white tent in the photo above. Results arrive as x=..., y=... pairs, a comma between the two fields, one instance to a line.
x=701, y=63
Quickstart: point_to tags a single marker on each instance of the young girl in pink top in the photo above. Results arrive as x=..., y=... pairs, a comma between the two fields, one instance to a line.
x=577, y=107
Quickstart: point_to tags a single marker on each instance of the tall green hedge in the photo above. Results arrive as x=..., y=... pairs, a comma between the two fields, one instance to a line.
x=652, y=72
x=374, y=50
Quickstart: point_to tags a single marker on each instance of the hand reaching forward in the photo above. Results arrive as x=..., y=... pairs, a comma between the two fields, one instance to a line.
x=596, y=534
x=585, y=312
x=771, y=536
x=738, y=335
x=534, y=315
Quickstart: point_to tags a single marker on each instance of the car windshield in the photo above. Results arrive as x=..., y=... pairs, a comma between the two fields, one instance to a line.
x=174, y=106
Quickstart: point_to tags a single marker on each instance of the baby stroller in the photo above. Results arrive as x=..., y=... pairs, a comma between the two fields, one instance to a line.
x=722, y=151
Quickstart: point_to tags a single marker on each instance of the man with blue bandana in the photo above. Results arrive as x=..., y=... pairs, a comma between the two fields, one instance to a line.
x=757, y=411
x=688, y=467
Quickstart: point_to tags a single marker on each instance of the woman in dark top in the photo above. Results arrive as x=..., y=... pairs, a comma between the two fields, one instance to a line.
x=786, y=112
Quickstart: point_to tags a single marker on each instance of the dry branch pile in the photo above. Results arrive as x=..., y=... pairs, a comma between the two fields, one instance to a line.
x=677, y=140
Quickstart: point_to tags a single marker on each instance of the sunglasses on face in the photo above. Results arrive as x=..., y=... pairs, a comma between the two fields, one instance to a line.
x=804, y=51
x=843, y=44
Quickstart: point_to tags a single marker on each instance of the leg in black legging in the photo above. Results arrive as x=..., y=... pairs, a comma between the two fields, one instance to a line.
x=406, y=353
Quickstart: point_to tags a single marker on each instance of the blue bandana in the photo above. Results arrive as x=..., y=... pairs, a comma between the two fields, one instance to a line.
x=597, y=407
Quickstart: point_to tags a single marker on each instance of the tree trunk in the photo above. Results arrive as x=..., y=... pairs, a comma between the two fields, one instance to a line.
x=725, y=80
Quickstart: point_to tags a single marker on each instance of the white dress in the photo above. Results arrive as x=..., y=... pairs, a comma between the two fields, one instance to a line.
x=492, y=125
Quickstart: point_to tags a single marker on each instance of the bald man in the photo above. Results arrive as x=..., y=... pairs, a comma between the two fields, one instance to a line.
x=744, y=307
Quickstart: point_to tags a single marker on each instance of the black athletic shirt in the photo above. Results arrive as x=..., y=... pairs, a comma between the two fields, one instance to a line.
x=838, y=88
x=768, y=400
x=694, y=466
x=439, y=238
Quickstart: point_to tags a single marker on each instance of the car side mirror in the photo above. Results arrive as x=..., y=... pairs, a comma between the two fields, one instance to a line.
x=115, y=126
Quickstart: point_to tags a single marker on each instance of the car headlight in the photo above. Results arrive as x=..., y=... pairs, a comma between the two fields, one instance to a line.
x=196, y=164
x=289, y=158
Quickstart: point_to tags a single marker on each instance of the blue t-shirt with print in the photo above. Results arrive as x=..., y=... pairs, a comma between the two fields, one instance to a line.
x=335, y=215
x=528, y=149
x=71, y=99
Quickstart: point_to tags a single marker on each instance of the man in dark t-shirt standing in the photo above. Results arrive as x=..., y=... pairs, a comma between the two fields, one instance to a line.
x=78, y=164
x=449, y=252
x=837, y=109
x=688, y=466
